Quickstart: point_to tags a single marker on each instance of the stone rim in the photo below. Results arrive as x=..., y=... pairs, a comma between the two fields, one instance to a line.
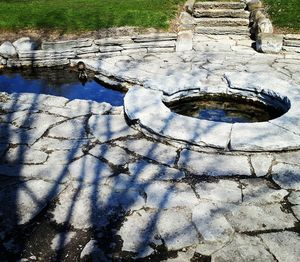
x=156, y=118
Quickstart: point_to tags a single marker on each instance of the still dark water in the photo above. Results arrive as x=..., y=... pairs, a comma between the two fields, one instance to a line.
x=225, y=108
x=57, y=82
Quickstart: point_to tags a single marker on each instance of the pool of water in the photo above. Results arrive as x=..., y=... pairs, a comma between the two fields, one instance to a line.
x=58, y=82
x=225, y=108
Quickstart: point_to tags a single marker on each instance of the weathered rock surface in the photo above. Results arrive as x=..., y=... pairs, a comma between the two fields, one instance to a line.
x=24, y=44
x=202, y=164
x=243, y=248
x=269, y=43
x=286, y=176
x=184, y=41
x=7, y=50
x=283, y=245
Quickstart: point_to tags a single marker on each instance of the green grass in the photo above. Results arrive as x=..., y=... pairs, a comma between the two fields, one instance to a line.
x=86, y=15
x=285, y=14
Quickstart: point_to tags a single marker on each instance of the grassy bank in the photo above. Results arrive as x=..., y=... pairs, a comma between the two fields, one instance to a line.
x=85, y=15
x=285, y=14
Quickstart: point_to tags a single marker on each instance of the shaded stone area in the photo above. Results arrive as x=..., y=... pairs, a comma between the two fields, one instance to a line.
x=80, y=183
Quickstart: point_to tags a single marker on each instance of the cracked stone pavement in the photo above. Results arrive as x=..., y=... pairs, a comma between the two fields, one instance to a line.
x=78, y=182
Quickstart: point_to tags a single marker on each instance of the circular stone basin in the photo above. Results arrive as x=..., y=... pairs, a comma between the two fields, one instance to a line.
x=225, y=108
x=277, y=131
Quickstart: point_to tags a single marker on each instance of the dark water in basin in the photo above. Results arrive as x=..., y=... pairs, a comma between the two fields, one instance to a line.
x=57, y=82
x=225, y=108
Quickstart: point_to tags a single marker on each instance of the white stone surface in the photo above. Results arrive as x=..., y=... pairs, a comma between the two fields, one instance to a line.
x=204, y=164
x=184, y=41
x=84, y=206
x=284, y=245
x=24, y=44
x=138, y=232
x=221, y=191
x=286, y=176
x=247, y=218
x=145, y=172
x=211, y=223
x=70, y=129
x=258, y=191
x=176, y=229
x=288, y=157
x=22, y=201
x=7, y=50
x=113, y=154
x=294, y=198
x=167, y=195
x=24, y=155
x=243, y=248
x=261, y=137
x=261, y=164
x=89, y=169
x=93, y=252
x=153, y=150
x=109, y=127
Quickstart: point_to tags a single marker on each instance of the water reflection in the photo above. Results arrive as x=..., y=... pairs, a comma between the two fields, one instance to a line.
x=225, y=108
x=58, y=82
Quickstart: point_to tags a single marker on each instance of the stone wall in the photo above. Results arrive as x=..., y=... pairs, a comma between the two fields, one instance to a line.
x=25, y=52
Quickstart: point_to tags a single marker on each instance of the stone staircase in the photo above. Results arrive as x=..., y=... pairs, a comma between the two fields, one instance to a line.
x=220, y=18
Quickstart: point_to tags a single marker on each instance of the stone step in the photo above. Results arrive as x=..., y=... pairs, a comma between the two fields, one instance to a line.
x=220, y=5
x=292, y=37
x=213, y=22
x=222, y=30
x=230, y=13
x=294, y=43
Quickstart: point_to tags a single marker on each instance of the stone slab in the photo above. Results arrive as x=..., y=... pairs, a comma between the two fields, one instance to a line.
x=113, y=154
x=24, y=44
x=286, y=176
x=222, y=191
x=7, y=50
x=284, y=245
x=165, y=195
x=89, y=170
x=109, y=127
x=211, y=224
x=86, y=207
x=138, y=232
x=184, y=41
x=66, y=45
x=145, y=172
x=176, y=229
x=222, y=30
x=260, y=192
x=269, y=43
x=217, y=13
x=220, y=5
x=213, y=22
x=262, y=136
x=70, y=129
x=244, y=248
x=24, y=200
x=214, y=165
x=261, y=164
x=249, y=218
x=152, y=150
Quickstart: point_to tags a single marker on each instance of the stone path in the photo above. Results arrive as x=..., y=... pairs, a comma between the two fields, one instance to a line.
x=78, y=181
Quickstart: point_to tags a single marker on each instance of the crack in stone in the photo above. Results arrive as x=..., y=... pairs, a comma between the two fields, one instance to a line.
x=267, y=248
x=45, y=134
